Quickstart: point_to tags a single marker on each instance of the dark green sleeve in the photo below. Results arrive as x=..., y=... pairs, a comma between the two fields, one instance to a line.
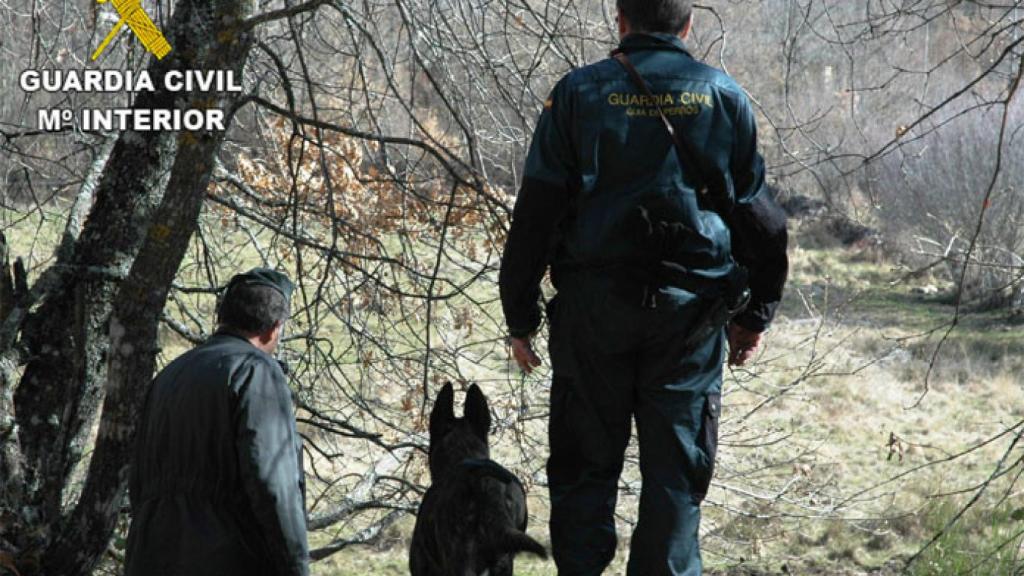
x=758, y=225
x=269, y=460
x=746, y=164
x=541, y=204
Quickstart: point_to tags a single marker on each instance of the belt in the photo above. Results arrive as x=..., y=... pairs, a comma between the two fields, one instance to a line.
x=662, y=273
x=727, y=296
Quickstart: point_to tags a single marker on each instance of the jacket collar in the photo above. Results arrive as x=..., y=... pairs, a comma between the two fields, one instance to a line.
x=225, y=334
x=652, y=41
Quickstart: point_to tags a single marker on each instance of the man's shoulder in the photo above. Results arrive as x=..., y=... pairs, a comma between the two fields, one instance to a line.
x=596, y=72
x=685, y=67
x=221, y=354
x=225, y=346
x=694, y=69
x=728, y=90
x=724, y=82
x=239, y=353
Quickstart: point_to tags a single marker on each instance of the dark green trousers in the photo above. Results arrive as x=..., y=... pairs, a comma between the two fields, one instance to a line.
x=615, y=362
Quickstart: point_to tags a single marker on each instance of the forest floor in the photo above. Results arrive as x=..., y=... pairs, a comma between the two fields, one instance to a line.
x=875, y=462
x=851, y=442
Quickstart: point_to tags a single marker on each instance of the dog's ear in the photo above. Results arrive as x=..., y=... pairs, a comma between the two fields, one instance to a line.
x=443, y=413
x=477, y=413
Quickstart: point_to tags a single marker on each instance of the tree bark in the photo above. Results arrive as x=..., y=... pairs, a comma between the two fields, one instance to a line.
x=92, y=341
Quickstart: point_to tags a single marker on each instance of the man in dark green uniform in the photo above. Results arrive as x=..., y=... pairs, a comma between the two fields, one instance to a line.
x=649, y=240
x=217, y=483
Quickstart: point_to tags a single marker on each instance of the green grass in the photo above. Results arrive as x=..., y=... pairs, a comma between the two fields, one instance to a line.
x=986, y=542
x=851, y=290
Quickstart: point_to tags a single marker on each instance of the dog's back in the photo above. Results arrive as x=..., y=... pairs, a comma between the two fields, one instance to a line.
x=472, y=520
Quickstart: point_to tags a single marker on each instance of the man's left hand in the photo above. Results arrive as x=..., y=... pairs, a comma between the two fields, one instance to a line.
x=522, y=351
x=743, y=344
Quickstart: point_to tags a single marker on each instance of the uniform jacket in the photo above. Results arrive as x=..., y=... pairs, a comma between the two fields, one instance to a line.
x=216, y=483
x=600, y=151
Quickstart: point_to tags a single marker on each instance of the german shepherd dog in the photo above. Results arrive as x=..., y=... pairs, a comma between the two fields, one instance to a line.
x=472, y=520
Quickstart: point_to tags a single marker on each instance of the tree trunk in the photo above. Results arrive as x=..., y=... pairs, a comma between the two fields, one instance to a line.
x=94, y=335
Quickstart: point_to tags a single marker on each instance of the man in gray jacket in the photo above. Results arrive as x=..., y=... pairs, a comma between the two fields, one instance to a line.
x=217, y=483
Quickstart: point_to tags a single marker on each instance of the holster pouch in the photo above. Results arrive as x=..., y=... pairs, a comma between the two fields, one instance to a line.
x=722, y=309
x=666, y=264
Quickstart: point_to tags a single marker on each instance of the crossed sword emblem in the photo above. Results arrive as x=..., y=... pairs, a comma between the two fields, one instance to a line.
x=142, y=25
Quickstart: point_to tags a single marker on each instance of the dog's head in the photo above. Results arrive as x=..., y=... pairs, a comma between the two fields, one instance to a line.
x=452, y=439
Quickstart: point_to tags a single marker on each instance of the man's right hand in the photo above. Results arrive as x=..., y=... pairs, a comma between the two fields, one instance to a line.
x=522, y=351
x=743, y=344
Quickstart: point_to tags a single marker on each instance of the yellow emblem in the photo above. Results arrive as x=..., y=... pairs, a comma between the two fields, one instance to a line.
x=548, y=104
x=142, y=25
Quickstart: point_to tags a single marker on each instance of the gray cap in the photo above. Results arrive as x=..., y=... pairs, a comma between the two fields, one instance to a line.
x=264, y=277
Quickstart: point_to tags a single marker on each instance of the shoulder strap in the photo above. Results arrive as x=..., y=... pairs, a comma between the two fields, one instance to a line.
x=707, y=199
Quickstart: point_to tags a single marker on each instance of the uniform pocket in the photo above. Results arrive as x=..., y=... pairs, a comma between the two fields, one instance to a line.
x=707, y=441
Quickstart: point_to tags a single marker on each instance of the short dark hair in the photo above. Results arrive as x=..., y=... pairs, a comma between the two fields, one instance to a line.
x=669, y=16
x=251, y=308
